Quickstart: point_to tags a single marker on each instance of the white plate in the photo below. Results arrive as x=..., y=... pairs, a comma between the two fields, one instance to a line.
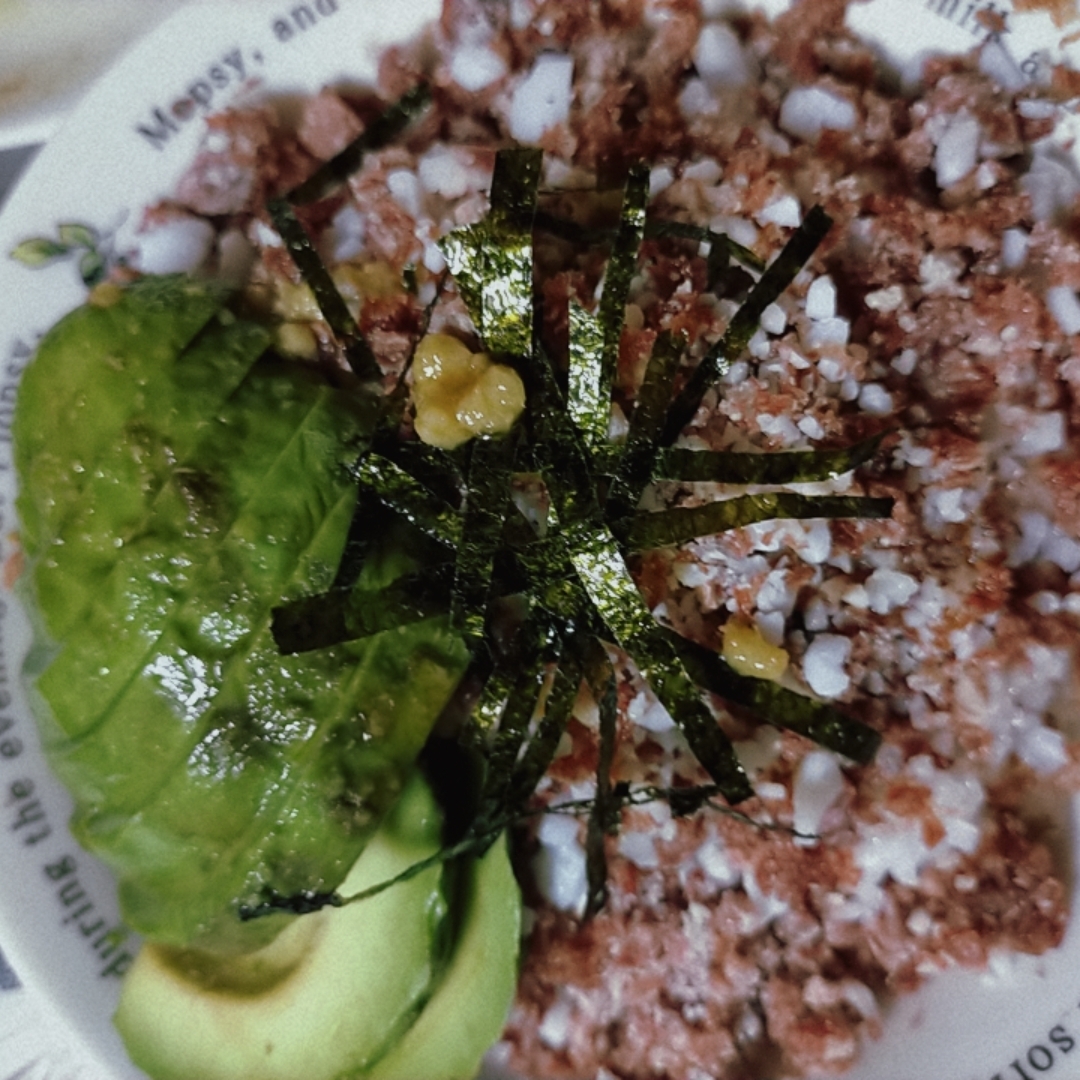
x=51, y=50
x=124, y=147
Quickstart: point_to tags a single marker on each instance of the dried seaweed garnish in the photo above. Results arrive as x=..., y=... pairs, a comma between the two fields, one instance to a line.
x=540, y=752
x=301, y=903
x=598, y=560
x=664, y=528
x=637, y=463
x=815, y=720
x=378, y=133
x=589, y=405
x=604, y=814
x=525, y=690
x=776, y=278
x=790, y=467
x=556, y=449
x=621, y=267
x=396, y=401
x=516, y=692
x=594, y=338
x=570, y=567
x=317, y=622
x=357, y=352
x=436, y=470
x=486, y=505
x=720, y=243
x=492, y=261
x=401, y=492
x=655, y=228
x=573, y=232
x=683, y=802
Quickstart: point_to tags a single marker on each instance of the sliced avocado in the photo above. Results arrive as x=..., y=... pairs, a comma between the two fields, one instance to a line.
x=105, y=502
x=344, y=994
x=322, y=1001
x=175, y=487
x=468, y=1009
x=206, y=485
x=222, y=536
x=90, y=376
x=291, y=812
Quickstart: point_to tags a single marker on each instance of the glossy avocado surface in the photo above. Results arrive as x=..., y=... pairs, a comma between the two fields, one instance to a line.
x=321, y=1002
x=177, y=482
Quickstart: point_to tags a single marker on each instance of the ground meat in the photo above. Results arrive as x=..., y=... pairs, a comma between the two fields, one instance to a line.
x=240, y=164
x=327, y=125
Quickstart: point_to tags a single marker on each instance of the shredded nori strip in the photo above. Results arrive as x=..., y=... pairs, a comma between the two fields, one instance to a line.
x=378, y=133
x=589, y=404
x=369, y=520
x=320, y=621
x=683, y=801
x=301, y=903
x=492, y=261
x=621, y=267
x=720, y=243
x=406, y=496
x=724, y=278
x=306, y=902
x=497, y=691
x=524, y=687
x=791, y=467
x=776, y=278
x=594, y=339
x=655, y=228
x=556, y=447
x=358, y=353
x=822, y=723
x=663, y=528
x=573, y=232
x=486, y=506
x=599, y=563
x=636, y=465
x=541, y=749
x=434, y=469
x=604, y=816
x=317, y=622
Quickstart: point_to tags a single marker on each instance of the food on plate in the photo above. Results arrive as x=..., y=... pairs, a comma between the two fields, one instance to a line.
x=696, y=409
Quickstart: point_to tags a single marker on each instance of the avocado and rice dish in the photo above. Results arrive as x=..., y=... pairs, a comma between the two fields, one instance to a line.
x=335, y=492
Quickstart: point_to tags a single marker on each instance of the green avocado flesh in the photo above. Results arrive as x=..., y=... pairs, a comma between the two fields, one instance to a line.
x=468, y=1007
x=347, y=992
x=176, y=484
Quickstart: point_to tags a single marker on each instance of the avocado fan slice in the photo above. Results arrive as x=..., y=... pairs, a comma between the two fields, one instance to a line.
x=165, y=706
x=322, y=1001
